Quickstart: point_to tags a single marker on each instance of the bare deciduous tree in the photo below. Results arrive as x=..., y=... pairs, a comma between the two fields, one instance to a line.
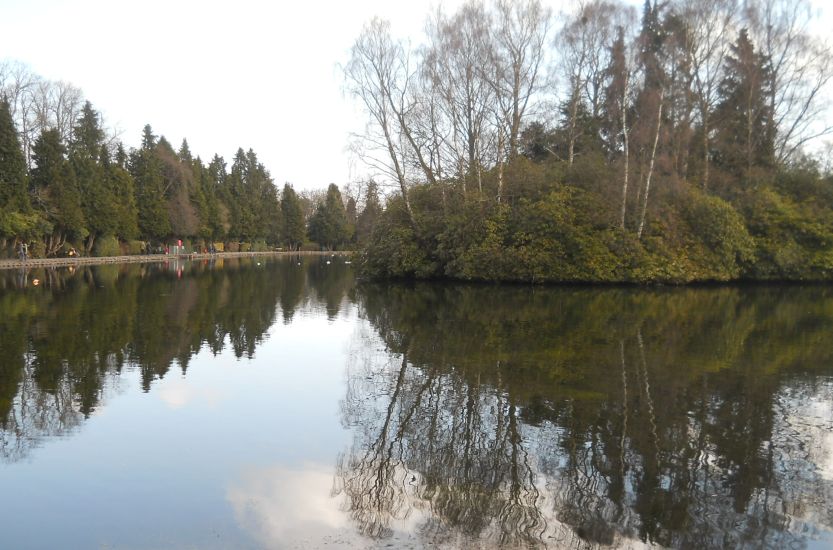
x=457, y=50
x=583, y=44
x=709, y=24
x=802, y=68
x=519, y=34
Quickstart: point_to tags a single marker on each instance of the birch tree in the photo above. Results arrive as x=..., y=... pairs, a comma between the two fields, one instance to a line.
x=584, y=45
x=520, y=30
x=457, y=50
x=709, y=24
x=380, y=75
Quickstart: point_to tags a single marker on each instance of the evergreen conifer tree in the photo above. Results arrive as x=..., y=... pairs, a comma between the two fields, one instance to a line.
x=13, y=196
x=744, y=120
x=369, y=215
x=54, y=191
x=150, y=194
x=328, y=225
x=97, y=201
x=294, y=227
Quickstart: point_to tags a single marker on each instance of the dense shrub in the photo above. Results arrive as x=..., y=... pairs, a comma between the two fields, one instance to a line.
x=106, y=246
x=569, y=232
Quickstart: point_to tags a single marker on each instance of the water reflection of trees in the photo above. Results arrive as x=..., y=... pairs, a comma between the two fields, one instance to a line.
x=573, y=417
x=64, y=343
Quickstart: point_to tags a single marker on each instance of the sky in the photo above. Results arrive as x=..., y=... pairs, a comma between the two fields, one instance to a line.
x=246, y=73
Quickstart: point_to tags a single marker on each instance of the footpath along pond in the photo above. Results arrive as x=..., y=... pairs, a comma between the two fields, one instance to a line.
x=276, y=403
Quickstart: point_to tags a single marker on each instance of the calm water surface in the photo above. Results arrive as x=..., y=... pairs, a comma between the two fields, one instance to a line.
x=281, y=405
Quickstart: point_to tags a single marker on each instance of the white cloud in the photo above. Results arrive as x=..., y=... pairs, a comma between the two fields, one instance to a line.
x=177, y=393
x=282, y=506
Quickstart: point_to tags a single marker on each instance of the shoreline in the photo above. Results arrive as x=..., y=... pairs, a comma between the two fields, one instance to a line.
x=150, y=258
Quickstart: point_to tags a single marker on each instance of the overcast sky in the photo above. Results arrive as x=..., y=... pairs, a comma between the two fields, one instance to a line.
x=243, y=73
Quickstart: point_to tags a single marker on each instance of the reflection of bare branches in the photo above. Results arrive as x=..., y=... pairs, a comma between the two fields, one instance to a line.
x=427, y=441
x=667, y=436
x=519, y=516
x=375, y=481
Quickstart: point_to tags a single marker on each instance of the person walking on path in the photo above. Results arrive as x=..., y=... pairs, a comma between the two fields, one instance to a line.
x=24, y=251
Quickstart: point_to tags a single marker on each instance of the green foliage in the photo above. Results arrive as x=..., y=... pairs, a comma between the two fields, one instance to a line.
x=27, y=225
x=106, y=246
x=394, y=250
x=53, y=187
x=146, y=169
x=794, y=239
x=565, y=233
x=294, y=228
x=89, y=160
x=746, y=127
x=721, y=244
x=122, y=187
x=328, y=225
x=135, y=247
x=80, y=192
x=88, y=135
x=366, y=220
x=14, y=201
x=259, y=246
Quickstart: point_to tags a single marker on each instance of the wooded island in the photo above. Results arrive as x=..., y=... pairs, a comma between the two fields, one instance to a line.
x=599, y=147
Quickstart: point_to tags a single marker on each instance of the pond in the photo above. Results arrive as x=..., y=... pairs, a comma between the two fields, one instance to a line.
x=278, y=403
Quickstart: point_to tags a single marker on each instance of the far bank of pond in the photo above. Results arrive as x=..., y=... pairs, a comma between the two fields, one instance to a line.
x=145, y=258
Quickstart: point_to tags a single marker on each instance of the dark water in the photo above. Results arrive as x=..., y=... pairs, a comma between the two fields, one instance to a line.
x=280, y=405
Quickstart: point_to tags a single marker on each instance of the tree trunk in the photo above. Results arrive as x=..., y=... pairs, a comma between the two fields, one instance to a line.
x=571, y=147
x=626, y=147
x=500, y=180
x=90, y=243
x=706, y=159
x=500, y=165
x=650, y=168
x=749, y=148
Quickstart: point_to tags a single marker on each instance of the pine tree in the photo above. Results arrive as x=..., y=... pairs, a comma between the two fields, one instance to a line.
x=216, y=179
x=13, y=196
x=97, y=201
x=744, y=119
x=328, y=225
x=185, y=152
x=294, y=228
x=123, y=188
x=150, y=193
x=352, y=218
x=239, y=198
x=369, y=215
x=87, y=135
x=54, y=191
x=121, y=156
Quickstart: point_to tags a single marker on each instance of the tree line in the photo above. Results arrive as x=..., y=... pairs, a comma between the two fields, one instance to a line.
x=599, y=145
x=67, y=181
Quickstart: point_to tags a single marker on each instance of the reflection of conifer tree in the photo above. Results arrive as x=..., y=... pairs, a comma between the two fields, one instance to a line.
x=330, y=284
x=60, y=348
x=16, y=313
x=294, y=277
